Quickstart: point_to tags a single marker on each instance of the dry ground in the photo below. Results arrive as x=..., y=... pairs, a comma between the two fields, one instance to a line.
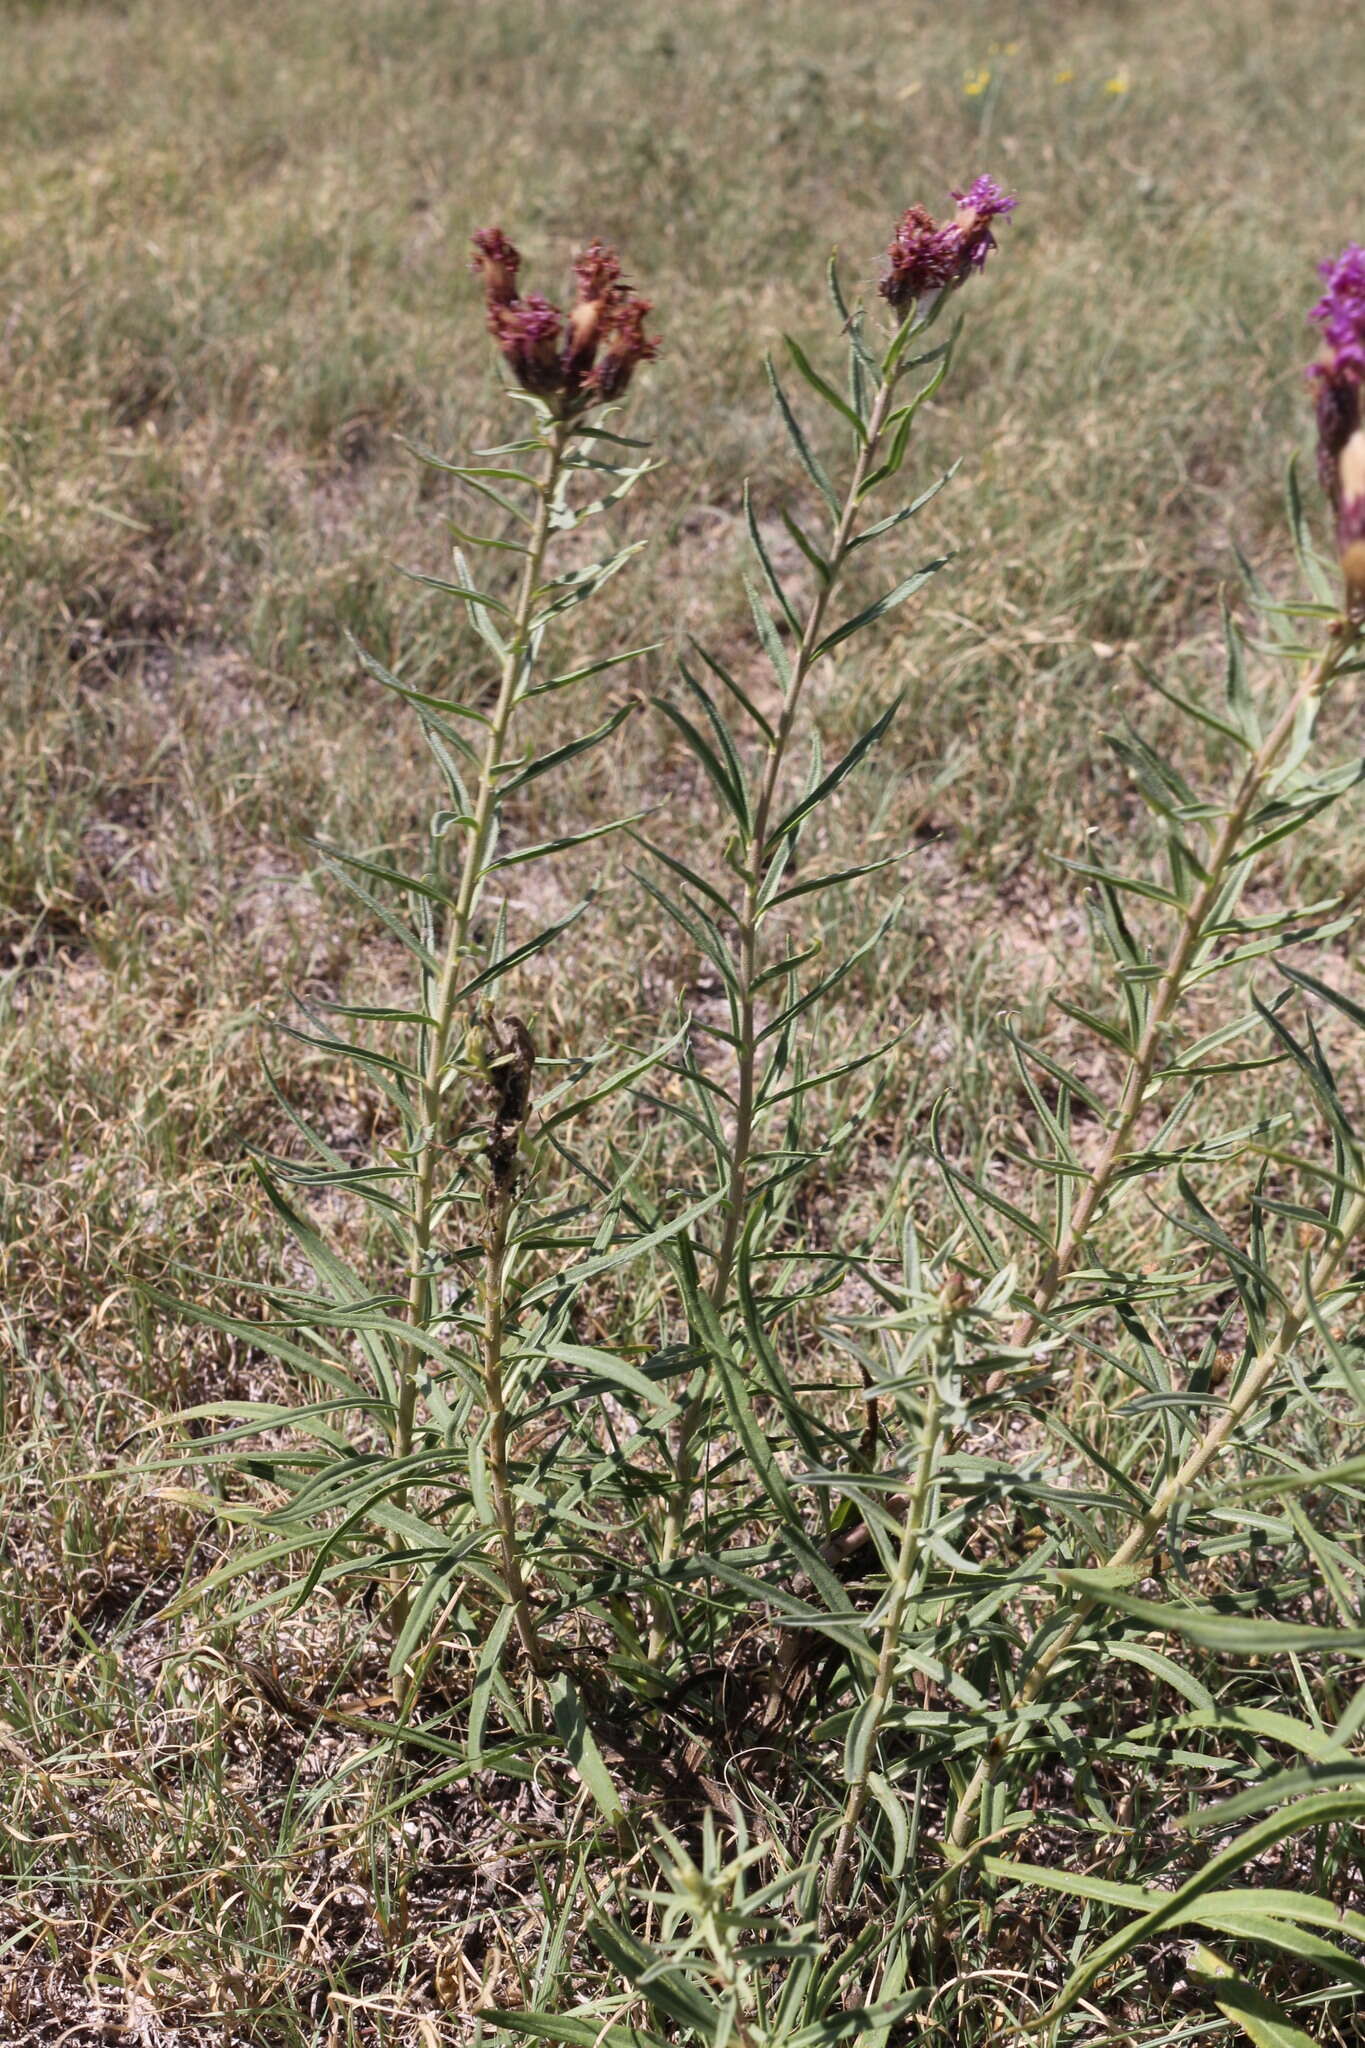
x=234, y=278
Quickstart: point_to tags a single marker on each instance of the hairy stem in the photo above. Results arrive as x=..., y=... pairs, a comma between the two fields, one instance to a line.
x=501, y=1201
x=756, y=861
x=1167, y=994
x=479, y=836
x=898, y=1596
x=756, y=864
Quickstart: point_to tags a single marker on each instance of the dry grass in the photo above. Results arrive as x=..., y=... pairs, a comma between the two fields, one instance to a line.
x=234, y=248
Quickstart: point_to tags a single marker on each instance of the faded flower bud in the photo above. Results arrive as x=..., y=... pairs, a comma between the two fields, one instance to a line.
x=578, y=360
x=497, y=262
x=626, y=344
x=598, y=272
x=1339, y=374
x=956, y=1293
x=1351, y=521
x=1338, y=412
x=928, y=256
x=527, y=331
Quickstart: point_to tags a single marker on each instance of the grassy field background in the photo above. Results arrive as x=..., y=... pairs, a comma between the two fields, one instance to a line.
x=234, y=245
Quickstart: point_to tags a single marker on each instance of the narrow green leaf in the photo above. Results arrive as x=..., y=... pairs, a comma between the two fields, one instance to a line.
x=1323, y=1808
x=566, y=2030
x=685, y=873
x=1324, y=587
x=571, y=1725
x=1277, y=1790
x=668, y=1989
x=590, y=668
x=741, y=696
x=806, y=544
x=545, y=847
x=768, y=634
x=765, y=561
x=894, y=519
x=1240, y=701
x=824, y=389
x=485, y=1679
x=1265, y=2024
x=1237, y=1634
x=826, y=787
x=809, y=461
x=881, y=606
x=471, y=595
x=557, y=756
x=1134, y=885
x=379, y=871
x=837, y=879
x=1199, y=712
x=725, y=744
x=498, y=968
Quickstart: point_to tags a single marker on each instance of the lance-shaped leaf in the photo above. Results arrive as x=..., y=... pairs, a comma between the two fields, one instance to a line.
x=881, y=606
x=813, y=798
x=765, y=560
x=1237, y=1634
x=809, y=460
x=1172, y=1907
x=824, y=389
x=496, y=970
x=545, y=764
x=1265, y=2024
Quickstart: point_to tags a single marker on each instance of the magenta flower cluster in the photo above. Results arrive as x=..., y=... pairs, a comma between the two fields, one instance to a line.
x=1339, y=377
x=928, y=256
x=584, y=357
x=1341, y=310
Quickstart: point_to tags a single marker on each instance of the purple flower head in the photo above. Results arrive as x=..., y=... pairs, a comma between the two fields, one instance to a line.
x=1339, y=402
x=923, y=258
x=986, y=198
x=1341, y=310
x=598, y=271
x=977, y=207
x=527, y=331
x=928, y=256
x=577, y=360
x=626, y=345
x=497, y=262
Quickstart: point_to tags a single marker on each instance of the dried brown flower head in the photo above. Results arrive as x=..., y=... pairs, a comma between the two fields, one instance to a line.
x=584, y=358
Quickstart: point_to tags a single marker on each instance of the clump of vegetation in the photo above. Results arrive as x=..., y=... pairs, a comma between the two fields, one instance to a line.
x=599, y=1465
x=673, y=1518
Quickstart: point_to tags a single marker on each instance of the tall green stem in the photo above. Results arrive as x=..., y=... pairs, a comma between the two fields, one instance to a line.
x=756, y=865
x=495, y=1408
x=756, y=859
x=898, y=1598
x=473, y=867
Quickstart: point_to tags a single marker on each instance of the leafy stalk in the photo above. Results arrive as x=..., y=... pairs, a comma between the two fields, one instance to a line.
x=881, y=440
x=757, y=856
x=1209, y=897
x=1169, y=1498
x=509, y=1073
x=479, y=831
x=899, y=1593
